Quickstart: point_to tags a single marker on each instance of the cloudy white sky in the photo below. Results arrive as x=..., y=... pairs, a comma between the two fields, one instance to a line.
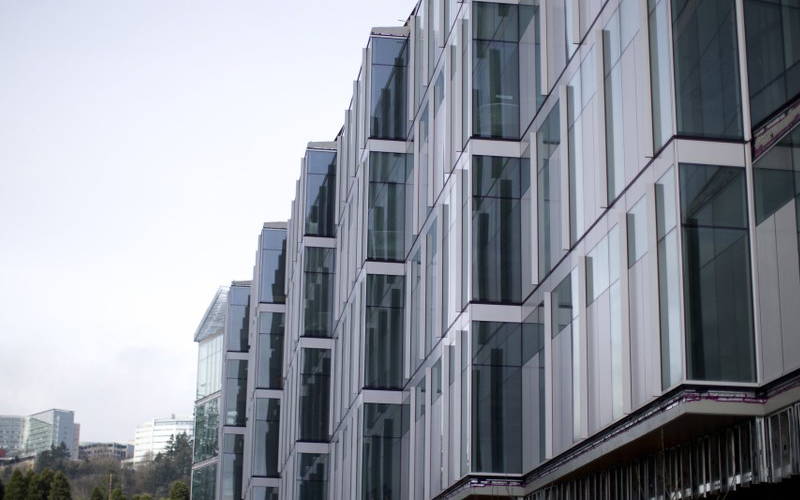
x=142, y=144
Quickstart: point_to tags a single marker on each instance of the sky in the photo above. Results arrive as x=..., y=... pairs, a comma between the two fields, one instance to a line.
x=142, y=145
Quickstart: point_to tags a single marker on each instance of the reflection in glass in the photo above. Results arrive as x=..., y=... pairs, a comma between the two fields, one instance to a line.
x=386, y=206
x=270, y=351
x=659, y=72
x=668, y=276
x=236, y=392
x=716, y=262
x=266, y=437
x=707, y=86
x=318, y=292
x=314, y=395
x=384, y=426
x=496, y=397
x=206, y=430
x=238, y=318
x=383, y=351
x=233, y=449
x=273, y=266
x=772, y=31
x=548, y=168
x=204, y=482
x=389, y=87
x=320, y=192
x=497, y=184
x=312, y=476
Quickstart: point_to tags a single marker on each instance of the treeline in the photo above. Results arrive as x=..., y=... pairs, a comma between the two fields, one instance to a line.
x=166, y=476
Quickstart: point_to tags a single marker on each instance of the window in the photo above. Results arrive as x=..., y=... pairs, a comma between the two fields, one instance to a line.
x=389, y=88
x=497, y=185
x=716, y=267
x=312, y=476
x=233, y=450
x=384, y=426
x=320, y=193
x=314, y=395
x=206, y=430
x=273, y=266
x=204, y=482
x=496, y=397
x=772, y=31
x=548, y=139
x=238, y=318
x=270, y=350
x=707, y=86
x=236, y=392
x=386, y=206
x=383, y=356
x=265, y=444
x=318, y=292
x=495, y=71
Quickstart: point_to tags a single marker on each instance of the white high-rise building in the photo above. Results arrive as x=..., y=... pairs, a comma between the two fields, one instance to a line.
x=152, y=436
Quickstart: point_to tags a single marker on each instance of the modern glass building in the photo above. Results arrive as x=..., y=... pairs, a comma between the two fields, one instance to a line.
x=552, y=253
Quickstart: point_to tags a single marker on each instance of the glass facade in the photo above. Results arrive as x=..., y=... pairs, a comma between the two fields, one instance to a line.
x=548, y=186
x=204, y=483
x=496, y=397
x=495, y=71
x=777, y=176
x=383, y=355
x=385, y=426
x=270, y=350
x=707, y=85
x=315, y=380
x=209, y=367
x=320, y=192
x=389, y=88
x=386, y=206
x=716, y=273
x=772, y=30
x=312, y=476
x=238, y=318
x=206, y=430
x=273, y=266
x=267, y=437
x=318, y=292
x=497, y=185
x=233, y=449
x=236, y=392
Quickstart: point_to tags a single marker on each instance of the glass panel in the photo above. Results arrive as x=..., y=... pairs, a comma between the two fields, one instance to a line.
x=533, y=360
x=707, y=68
x=270, y=350
x=267, y=434
x=668, y=280
x=775, y=176
x=386, y=206
x=236, y=392
x=496, y=229
x=206, y=430
x=637, y=232
x=659, y=73
x=320, y=193
x=716, y=255
x=383, y=351
x=273, y=266
x=312, y=476
x=530, y=62
x=772, y=31
x=238, y=318
x=314, y=395
x=383, y=451
x=548, y=140
x=562, y=306
x=389, y=87
x=495, y=71
x=496, y=397
x=204, y=483
x=209, y=367
x=233, y=449
x=318, y=292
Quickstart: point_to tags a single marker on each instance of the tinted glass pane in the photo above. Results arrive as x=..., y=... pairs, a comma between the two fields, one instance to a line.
x=312, y=476
x=562, y=306
x=204, y=482
x=706, y=68
x=383, y=448
x=776, y=176
x=236, y=393
x=772, y=30
x=206, y=430
x=549, y=192
x=238, y=318
x=314, y=395
x=717, y=283
x=265, y=446
x=495, y=90
x=386, y=207
x=383, y=352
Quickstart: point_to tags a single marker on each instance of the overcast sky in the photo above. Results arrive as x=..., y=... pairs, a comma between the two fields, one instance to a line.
x=142, y=145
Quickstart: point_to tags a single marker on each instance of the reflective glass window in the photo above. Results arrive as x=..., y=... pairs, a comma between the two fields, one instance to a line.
x=238, y=318
x=314, y=395
x=497, y=397
x=707, y=88
x=497, y=184
x=386, y=206
x=312, y=476
x=204, y=483
x=206, y=430
x=236, y=392
x=383, y=356
x=267, y=433
x=384, y=426
x=320, y=193
x=717, y=282
x=389, y=88
x=548, y=172
x=777, y=176
x=233, y=450
x=772, y=32
x=273, y=266
x=318, y=292
x=270, y=350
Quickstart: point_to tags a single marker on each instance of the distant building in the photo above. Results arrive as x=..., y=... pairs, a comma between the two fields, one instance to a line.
x=22, y=436
x=119, y=451
x=152, y=436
